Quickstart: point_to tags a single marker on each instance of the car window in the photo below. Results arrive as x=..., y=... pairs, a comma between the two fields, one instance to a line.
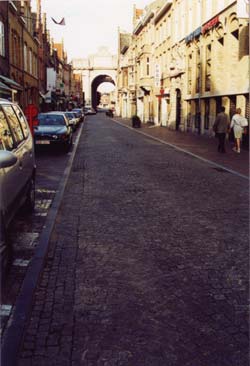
x=51, y=120
x=22, y=119
x=69, y=115
x=6, y=138
x=14, y=123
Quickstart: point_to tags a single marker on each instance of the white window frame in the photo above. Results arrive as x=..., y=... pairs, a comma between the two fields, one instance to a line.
x=2, y=39
x=25, y=61
x=30, y=61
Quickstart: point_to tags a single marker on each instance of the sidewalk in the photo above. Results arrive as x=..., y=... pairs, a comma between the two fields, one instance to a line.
x=203, y=146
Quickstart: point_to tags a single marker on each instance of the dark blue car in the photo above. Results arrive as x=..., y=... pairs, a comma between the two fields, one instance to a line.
x=53, y=129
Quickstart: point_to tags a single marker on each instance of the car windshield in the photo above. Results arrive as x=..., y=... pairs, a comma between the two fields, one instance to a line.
x=51, y=120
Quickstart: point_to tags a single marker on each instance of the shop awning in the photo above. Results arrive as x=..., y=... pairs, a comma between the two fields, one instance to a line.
x=11, y=83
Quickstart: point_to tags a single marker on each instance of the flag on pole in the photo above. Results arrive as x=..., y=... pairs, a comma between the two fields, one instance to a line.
x=62, y=22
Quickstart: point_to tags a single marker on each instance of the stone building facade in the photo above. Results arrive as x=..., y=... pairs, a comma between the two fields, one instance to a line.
x=191, y=57
x=15, y=33
x=28, y=56
x=4, y=39
x=29, y=44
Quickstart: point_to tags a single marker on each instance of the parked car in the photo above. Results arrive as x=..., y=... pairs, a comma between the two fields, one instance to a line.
x=80, y=113
x=53, y=129
x=73, y=119
x=110, y=113
x=89, y=110
x=17, y=169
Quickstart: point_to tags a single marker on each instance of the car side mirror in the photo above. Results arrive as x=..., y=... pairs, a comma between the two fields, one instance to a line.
x=7, y=159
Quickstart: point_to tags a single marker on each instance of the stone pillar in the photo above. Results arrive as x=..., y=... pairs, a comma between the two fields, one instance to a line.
x=226, y=103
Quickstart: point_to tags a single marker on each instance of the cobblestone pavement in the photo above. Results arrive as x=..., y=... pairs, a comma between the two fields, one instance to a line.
x=204, y=146
x=25, y=231
x=148, y=261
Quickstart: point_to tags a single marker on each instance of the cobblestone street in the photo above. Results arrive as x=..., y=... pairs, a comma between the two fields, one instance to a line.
x=147, y=263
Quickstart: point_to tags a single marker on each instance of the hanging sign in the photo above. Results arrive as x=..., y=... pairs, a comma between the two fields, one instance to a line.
x=209, y=25
x=157, y=75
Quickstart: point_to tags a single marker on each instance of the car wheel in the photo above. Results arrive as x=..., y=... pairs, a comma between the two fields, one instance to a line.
x=29, y=204
x=68, y=144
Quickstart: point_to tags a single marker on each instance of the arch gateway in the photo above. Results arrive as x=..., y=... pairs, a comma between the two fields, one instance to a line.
x=96, y=69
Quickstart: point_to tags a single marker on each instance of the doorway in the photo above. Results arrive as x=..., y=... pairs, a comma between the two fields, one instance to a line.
x=178, y=109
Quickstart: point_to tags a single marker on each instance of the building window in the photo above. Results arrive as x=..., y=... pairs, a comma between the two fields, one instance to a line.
x=15, y=50
x=25, y=57
x=2, y=48
x=198, y=71
x=35, y=65
x=30, y=61
x=221, y=41
x=207, y=111
x=236, y=34
x=148, y=66
x=208, y=68
x=18, y=52
x=190, y=73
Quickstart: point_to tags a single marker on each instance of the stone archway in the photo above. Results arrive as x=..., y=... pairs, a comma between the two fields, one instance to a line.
x=94, y=86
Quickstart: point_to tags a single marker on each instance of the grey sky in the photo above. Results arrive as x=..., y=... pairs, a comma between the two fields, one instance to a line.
x=89, y=24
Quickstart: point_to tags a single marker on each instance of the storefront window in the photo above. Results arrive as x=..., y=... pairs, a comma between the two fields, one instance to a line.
x=208, y=68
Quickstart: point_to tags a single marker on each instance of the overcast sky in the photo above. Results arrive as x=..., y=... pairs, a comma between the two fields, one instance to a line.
x=89, y=23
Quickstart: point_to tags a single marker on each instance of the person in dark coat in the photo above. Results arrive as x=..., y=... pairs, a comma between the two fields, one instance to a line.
x=221, y=127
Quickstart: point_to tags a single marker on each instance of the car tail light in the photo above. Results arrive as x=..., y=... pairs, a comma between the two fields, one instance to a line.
x=64, y=136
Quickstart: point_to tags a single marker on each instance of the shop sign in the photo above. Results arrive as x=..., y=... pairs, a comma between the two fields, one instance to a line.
x=157, y=75
x=31, y=112
x=193, y=35
x=243, y=9
x=209, y=25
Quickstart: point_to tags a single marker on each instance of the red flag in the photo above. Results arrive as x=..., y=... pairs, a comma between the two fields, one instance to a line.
x=62, y=22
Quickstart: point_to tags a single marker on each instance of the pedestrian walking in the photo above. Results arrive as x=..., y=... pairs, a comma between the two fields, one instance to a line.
x=221, y=127
x=238, y=123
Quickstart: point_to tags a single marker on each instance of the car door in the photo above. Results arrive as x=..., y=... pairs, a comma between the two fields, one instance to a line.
x=9, y=177
x=28, y=157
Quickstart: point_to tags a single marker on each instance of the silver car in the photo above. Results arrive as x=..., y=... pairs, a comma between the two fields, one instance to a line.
x=17, y=168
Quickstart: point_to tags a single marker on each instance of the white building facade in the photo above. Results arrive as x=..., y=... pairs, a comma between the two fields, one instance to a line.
x=191, y=57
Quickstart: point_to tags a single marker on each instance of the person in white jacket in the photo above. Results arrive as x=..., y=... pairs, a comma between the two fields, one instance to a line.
x=238, y=123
